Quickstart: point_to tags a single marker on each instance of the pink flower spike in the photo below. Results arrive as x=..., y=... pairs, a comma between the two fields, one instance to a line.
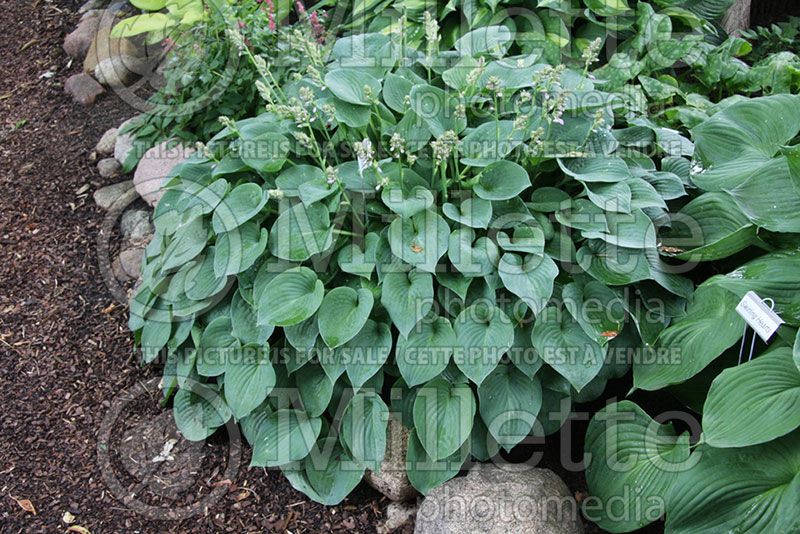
x=301, y=8
x=242, y=24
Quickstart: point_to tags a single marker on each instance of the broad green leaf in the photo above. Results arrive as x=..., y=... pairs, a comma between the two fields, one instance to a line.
x=201, y=282
x=239, y=249
x=612, y=265
x=419, y=240
x=343, y=313
x=443, y=415
x=502, y=180
x=407, y=297
x=753, y=403
x=315, y=388
x=290, y=180
x=353, y=86
x=711, y=227
x=509, y=404
x=188, y=241
x=564, y=346
x=493, y=40
x=710, y=326
x=285, y=436
x=407, y=203
x=473, y=212
x=595, y=169
x=426, y=351
x=244, y=326
x=238, y=206
x=395, y=89
x=265, y=153
x=750, y=489
x=632, y=460
x=599, y=310
x=528, y=239
x=290, y=298
x=300, y=232
x=363, y=429
x=424, y=472
x=756, y=197
x=215, y=345
x=634, y=230
x=249, y=378
x=437, y=109
x=608, y=8
x=149, y=5
x=331, y=472
x=472, y=257
x=531, y=278
x=364, y=355
x=352, y=259
x=490, y=142
x=139, y=24
x=484, y=333
x=199, y=411
x=549, y=199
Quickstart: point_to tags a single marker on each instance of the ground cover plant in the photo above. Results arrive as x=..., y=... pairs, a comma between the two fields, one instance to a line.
x=473, y=231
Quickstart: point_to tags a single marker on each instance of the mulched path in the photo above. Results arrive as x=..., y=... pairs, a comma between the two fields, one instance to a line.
x=66, y=356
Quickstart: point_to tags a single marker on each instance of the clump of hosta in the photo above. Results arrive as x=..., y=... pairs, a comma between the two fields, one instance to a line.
x=457, y=235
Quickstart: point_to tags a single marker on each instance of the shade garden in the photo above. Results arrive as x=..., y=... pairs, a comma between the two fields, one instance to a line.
x=469, y=213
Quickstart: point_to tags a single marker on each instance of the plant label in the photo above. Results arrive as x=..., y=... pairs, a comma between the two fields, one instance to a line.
x=758, y=315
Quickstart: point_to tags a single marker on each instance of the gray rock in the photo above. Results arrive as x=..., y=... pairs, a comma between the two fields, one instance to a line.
x=104, y=46
x=130, y=260
x=118, y=71
x=106, y=143
x=108, y=167
x=83, y=88
x=398, y=514
x=123, y=145
x=136, y=225
x=105, y=197
x=154, y=166
x=77, y=43
x=117, y=271
x=90, y=5
x=393, y=481
x=491, y=499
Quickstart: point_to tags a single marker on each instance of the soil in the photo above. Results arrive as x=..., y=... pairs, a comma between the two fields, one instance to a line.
x=71, y=387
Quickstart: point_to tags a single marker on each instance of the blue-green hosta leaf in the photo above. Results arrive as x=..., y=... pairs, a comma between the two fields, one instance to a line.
x=564, y=346
x=528, y=239
x=612, y=265
x=201, y=282
x=215, y=344
x=420, y=240
x=493, y=40
x=710, y=227
x=633, y=460
x=608, y=8
x=395, y=89
x=249, y=378
x=407, y=203
x=615, y=196
x=290, y=298
x=598, y=309
x=238, y=207
x=437, y=109
x=285, y=436
x=531, y=278
x=634, y=230
x=331, y=472
x=775, y=275
x=316, y=190
x=363, y=429
x=353, y=86
x=188, y=241
x=424, y=472
x=472, y=257
x=426, y=351
x=239, y=249
x=595, y=169
x=490, y=142
x=352, y=259
x=407, y=297
x=483, y=334
x=300, y=232
x=753, y=403
x=364, y=355
x=343, y=313
x=473, y=212
x=266, y=153
x=510, y=402
x=502, y=180
x=549, y=199
x=199, y=411
x=750, y=489
x=711, y=325
x=756, y=197
x=583, y=214
x=455, y=282
x=290, y=180
x=443, y=415
x=315, y=388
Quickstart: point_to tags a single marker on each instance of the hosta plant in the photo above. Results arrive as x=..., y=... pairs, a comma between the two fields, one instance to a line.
x=465, y=243
x=743, y=474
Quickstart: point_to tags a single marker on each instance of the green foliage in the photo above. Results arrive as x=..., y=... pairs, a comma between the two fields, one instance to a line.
x=476, y=230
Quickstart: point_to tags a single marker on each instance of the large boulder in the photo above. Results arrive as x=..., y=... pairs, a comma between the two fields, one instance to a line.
x=83, y=88
x=155, y=165
x=505, y=499
x=119, y=71
x=392, y=480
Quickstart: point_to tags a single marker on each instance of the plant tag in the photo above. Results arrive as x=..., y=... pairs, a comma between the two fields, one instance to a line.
x=758, y=315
